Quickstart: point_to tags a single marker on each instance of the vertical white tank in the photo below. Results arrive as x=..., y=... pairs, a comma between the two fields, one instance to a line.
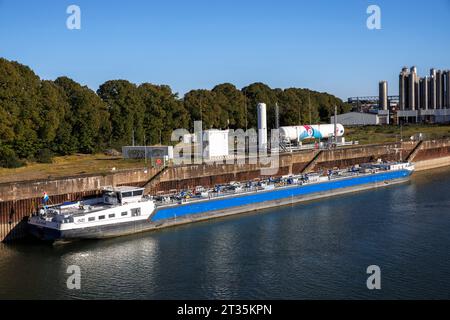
x=262, y=126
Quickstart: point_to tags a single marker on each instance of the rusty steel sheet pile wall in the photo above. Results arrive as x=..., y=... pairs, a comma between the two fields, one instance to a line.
x=347, y=157
x=433, y=149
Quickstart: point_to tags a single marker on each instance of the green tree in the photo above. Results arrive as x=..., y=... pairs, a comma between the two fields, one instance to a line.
x=53, y=108
x=88, y=118
x=232, y=103
x=291, y=107
x=260, y=93
x=126, y=111
x=19, y=98
x=203, y=105
x=164, y=112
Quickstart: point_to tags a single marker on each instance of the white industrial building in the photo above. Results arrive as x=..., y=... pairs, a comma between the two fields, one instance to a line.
x=358, y=119
x=424, y=99
x=215, y=144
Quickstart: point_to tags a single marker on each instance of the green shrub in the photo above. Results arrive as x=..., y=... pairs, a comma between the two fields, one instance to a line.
x=9, y=159
x=44, y=156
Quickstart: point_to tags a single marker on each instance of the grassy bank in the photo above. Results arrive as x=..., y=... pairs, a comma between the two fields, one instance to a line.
x=68, y=166
x=383, y=134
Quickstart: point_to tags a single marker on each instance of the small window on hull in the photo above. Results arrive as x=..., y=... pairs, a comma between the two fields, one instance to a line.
x=136, y=212
x=101, y=217
x=112, y=215
x=91, y=219
x=124, y=214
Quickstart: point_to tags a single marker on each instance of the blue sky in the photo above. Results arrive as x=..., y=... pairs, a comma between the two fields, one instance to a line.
x=323, y=45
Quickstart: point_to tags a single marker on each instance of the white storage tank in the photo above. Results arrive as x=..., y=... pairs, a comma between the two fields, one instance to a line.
x=321, y=131
x=262, y=126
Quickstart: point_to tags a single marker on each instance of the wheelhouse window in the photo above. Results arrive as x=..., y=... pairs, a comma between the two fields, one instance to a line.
x=127, y=194
x=110, y=197
x=136, y=212
x=138, y=193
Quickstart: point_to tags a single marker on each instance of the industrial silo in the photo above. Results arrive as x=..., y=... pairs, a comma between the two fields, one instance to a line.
x=424, y=97
x=432, y=89
x=383, y=95
x=403, y=93
x=412, y=88
x=439, y=89
x=447, y=88
x=417, y=93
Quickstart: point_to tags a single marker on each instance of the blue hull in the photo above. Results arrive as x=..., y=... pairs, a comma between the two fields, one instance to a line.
x=202, y=207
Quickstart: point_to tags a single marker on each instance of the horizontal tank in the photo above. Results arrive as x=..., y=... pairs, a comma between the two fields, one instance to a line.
x=321, y=131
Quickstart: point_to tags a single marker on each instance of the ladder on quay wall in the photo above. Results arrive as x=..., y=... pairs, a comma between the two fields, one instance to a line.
x=414, y=151
x=310, y=166
x=155, y=179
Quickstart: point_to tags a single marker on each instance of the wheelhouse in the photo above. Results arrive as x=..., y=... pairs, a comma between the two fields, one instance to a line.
x=122, y=195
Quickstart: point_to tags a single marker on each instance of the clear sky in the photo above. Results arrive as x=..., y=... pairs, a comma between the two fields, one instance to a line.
x=322, y=45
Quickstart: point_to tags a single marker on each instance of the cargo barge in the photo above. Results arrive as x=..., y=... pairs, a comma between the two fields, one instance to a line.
x=126, y=210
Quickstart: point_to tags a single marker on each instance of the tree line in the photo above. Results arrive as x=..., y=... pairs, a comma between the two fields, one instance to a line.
x=41, y=118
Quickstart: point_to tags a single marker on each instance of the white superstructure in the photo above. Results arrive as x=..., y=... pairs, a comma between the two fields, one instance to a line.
x=117, y=205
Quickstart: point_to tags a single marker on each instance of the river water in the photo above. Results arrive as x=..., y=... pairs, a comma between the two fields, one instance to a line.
x=314, y=250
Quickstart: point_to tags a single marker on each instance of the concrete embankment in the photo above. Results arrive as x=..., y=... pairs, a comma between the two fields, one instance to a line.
x=19, y=199
x=432, y=163
x=432, y=154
